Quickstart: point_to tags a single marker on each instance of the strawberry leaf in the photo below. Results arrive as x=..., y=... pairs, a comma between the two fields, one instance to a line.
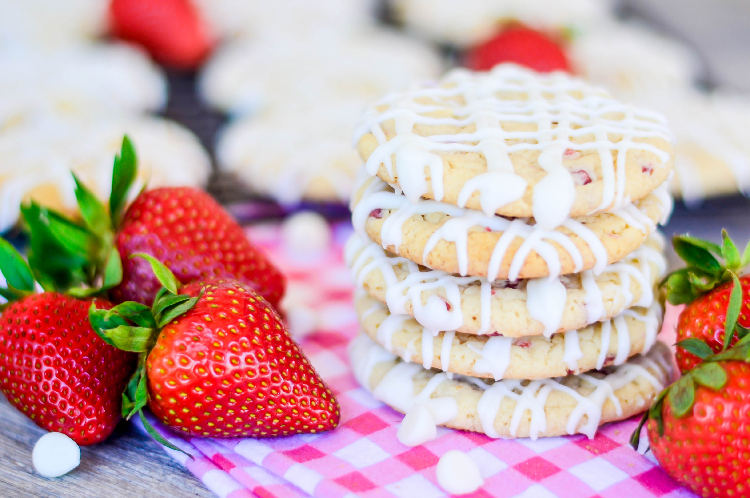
x=710, y=375
x=741, y=331
x=158, y=437
x=113, y=270
x=135, y=396
x=745, y=259
x=138, y=313
x=697, y=255
x=635, y=438
x=165, y=302
x=679, y=289
x=682, y=395
x=177, y=310
x=163, y=274
x=696, y=347
x=57, y=264
x=93, y=212
x=15, y=269
x=733, y=311
x=128, y=338
x=729, y=251
x=123, y=175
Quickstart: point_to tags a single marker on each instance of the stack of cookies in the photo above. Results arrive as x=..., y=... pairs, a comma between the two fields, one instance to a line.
x=506, y=253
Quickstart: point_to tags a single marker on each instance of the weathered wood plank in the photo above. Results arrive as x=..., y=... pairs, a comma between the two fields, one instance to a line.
x=129, y=464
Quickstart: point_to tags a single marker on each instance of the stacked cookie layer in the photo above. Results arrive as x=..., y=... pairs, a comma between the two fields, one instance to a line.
x=506, y=254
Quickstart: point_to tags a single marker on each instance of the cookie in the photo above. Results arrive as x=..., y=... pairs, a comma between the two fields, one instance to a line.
x=291, y=157
x=712, y=143
x=473, y=305
x=85, y=81
x=467, y=242
x=610, y=342
x=39, y=157
x=514, y=408
x=240, y=18
x=248, y=76
x=633, y=61
x=516, y=143
x=469, y=23
x=51, y=25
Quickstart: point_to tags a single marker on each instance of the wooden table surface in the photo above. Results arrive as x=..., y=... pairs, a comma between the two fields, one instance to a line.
x=128, y=464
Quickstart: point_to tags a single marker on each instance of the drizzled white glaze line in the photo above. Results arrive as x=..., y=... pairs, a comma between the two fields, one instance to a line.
x=545, y=306
x=376, y=196
x=397, y=389
x=495, y=354
x=561, y=109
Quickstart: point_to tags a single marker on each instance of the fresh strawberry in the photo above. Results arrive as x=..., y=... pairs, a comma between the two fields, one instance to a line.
x=183, y=227
x=712, y=293
x=53, y=366
x=171, y=30
x=519, y=45
x=196, y=238
x=217, y=361
x=698, y=427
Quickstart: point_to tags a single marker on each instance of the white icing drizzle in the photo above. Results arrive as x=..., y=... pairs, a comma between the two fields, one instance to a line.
x=494, y=356
x=495, y=353
x=397, y=389
x=544, y=305
x=560, y=107
x=461, y=221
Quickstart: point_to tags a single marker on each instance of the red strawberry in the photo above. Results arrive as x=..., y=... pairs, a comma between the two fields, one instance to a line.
x=706, y=286
x=522, y=46
x=222, y=363
x=57, y=371
x=698, y=427
x=704, y=319
x=171, y=30
x=196, y=238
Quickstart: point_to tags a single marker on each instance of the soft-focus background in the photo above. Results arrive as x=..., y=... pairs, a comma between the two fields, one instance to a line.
x=256, y=101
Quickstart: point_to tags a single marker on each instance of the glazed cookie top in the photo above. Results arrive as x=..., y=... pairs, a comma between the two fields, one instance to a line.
x=514, y=408
x=473, y=305
x=467, y=242
x=517, y=143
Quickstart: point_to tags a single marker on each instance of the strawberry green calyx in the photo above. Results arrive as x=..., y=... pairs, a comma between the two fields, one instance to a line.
x=18, y=275
x=134, y=327
x=710, y=374
x=704, y=270
x=80, y=257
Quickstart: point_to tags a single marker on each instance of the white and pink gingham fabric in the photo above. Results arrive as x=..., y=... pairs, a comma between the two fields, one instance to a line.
x=363, y=457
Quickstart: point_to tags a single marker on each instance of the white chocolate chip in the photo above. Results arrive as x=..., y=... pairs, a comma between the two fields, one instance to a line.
x=458, y=474
x=418, y=426
x=306, y=232
x=55, y=454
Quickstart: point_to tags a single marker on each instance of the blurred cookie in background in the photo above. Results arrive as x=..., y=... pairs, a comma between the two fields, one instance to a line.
x=78, y=80
x=244, y=18
x=249, y=75
x=291, y=156
x=51, y=24
x=712, y=133
x=632, y=61
x=39, y=156
x=471, y=22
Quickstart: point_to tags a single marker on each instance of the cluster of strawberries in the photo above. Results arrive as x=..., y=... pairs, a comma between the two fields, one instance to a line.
x=192, y=333
x=698, y=427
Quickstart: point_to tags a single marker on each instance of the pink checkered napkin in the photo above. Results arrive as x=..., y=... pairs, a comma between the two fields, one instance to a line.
x=363, y=457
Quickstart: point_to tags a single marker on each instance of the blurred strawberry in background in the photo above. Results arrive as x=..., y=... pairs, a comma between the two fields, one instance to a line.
x=172, y=31
x=521, y=45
